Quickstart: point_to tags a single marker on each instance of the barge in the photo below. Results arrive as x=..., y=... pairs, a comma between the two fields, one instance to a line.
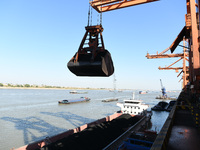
x=94, y=135
x=70, y=101
x=161, y=106
x=76, y=92
x=166, y=98
x=110, y=100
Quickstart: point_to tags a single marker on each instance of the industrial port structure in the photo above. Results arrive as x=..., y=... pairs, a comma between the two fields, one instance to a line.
x=181, y=129
x=189, y=34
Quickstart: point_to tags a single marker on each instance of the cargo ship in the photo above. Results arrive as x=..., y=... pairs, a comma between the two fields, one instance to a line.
x=94, y=135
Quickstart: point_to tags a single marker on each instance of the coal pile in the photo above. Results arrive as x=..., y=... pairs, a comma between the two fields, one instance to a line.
x=96, y=136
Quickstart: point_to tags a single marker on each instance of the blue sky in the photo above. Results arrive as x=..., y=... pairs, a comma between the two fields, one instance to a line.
x=39, y=37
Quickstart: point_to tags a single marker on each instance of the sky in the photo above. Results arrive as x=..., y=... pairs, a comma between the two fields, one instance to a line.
x=39, y=37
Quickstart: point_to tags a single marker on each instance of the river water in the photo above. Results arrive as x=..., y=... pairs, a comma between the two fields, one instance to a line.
x=28, y=115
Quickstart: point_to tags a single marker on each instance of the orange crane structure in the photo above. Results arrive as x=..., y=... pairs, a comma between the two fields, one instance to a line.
x=108, y=5
x=183, y=56
x=191, y=77
x=190, y=32
x=178, y=131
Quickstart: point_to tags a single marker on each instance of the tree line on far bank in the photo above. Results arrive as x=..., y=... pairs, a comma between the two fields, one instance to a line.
x=28, y=85
x=43, y=86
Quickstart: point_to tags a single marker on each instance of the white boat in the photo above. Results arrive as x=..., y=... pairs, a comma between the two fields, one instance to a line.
x=133, y=107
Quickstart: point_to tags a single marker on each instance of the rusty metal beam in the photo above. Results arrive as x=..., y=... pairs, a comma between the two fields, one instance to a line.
x=115, y=4
x=180, y=73
x=194, y=33
x=96, y=3
x=175, y=62
x=192, y=23
x=180, y=79
x=165, y=56
x=184, y=65
x=170, y=68
x=178, y=39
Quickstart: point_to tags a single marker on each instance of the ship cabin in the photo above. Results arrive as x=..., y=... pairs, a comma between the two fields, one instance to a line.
x=133, y=107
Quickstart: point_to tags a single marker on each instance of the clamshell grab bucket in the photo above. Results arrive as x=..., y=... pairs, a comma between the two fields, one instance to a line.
x=92, y=59
x=102, y=65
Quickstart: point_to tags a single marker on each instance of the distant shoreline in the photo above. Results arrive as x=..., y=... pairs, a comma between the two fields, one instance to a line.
x=61, y=88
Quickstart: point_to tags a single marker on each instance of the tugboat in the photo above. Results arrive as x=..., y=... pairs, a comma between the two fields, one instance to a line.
x=133, y=107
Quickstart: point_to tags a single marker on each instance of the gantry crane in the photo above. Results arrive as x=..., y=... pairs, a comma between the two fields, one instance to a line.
x=183, y=56
x=92, y=59
x=190, y=32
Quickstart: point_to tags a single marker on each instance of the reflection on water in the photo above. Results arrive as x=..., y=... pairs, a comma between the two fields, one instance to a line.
x=30, y=115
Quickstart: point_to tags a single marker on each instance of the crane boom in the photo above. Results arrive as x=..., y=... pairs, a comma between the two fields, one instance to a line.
x=108, y=5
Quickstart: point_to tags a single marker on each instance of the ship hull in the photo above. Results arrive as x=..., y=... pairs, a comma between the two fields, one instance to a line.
x=41, y=143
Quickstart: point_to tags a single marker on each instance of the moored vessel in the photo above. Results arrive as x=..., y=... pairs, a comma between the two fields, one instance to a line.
x=94, y=135
x=133, y=106
x=166, y=98
x=161, y=106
